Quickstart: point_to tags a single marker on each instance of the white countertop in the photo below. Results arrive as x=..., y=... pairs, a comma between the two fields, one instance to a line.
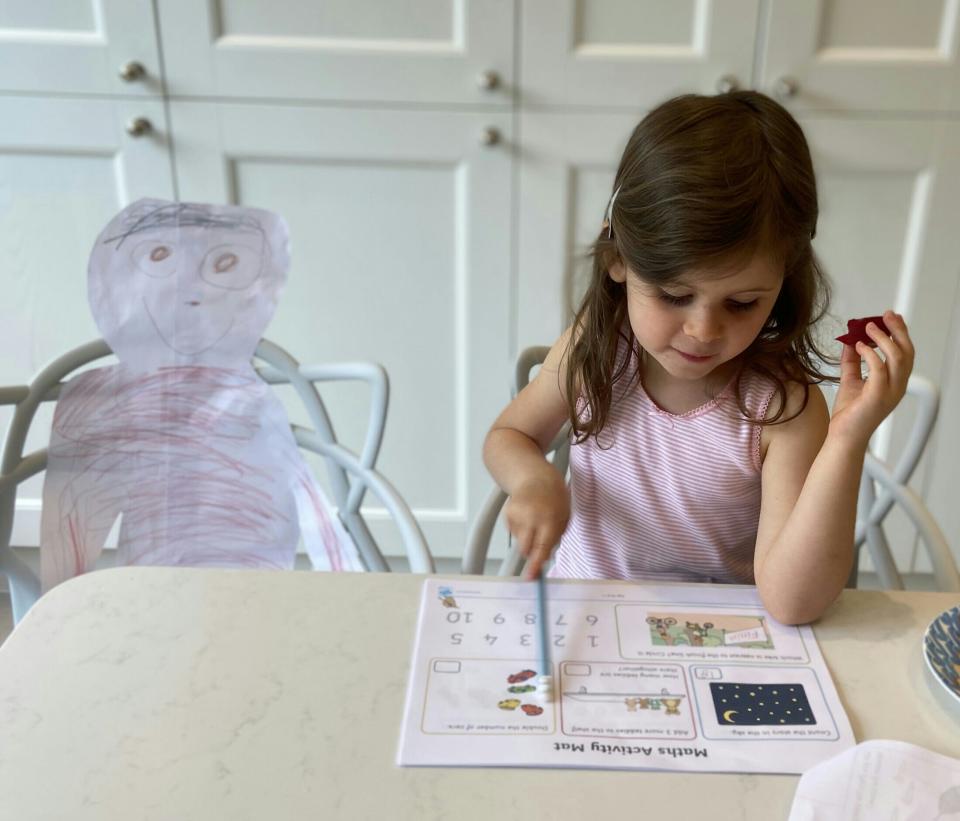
x=160, y=693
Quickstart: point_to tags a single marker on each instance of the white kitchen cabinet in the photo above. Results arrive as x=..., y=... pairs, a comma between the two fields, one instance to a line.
x=633, y=53
x=847, y=55
x=412, y=51
x=443, y=165
x=838, y=55
x=106, y=47
x=889, y=193
x=66, y=166
x=400, y=235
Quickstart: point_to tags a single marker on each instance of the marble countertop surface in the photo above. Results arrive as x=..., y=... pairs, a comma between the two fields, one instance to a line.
x=158, y=693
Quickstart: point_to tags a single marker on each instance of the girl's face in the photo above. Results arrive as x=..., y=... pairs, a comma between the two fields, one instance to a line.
x=703, y=320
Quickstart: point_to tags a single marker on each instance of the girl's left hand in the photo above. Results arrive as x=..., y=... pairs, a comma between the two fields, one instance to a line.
x=863, y=403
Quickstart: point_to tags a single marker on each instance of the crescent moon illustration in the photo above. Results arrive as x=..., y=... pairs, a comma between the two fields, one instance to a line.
x=727, y=714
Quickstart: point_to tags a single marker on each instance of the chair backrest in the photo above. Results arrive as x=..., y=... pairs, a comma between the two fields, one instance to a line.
x=882, y=487
x=349, y=475
x=481, y=533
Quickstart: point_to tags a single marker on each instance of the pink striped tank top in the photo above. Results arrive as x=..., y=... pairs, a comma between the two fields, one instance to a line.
x=668, y=497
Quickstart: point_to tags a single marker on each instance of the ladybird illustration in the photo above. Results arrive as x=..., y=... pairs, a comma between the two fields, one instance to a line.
x=509, y=704
x=531, y=709
x=521, y=688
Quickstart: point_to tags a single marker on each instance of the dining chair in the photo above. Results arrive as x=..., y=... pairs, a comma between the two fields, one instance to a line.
x=481, y=532
x=350, y=476
x=885, y=487
x=882, y=488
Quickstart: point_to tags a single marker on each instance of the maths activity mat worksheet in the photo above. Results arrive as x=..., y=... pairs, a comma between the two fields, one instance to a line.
x=645, y=676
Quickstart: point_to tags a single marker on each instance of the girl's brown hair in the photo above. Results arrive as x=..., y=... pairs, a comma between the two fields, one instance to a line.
x=705, y=181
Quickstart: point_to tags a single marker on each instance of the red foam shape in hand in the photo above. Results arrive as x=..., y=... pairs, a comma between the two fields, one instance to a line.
x=857, y=331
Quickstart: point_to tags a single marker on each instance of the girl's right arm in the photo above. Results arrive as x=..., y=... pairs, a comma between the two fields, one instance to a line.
x=539, y=504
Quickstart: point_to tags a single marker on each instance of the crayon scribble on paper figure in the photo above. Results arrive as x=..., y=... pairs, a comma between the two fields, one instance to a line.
x=181, y=438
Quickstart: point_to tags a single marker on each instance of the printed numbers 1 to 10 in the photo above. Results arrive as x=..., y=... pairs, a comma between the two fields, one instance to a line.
x=528, y=620
x=528, y=639
x=466, y=617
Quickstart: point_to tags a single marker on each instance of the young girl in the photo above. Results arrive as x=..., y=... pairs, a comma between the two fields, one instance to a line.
x=702, y=449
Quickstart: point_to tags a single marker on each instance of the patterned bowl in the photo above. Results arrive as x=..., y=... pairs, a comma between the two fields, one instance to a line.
x=941, y=650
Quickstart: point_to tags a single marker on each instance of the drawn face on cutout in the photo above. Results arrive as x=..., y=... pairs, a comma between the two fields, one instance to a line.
x=193, y=292
x=174, y=283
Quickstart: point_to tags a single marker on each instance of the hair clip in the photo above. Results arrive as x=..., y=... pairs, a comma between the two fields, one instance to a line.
x=608, y=214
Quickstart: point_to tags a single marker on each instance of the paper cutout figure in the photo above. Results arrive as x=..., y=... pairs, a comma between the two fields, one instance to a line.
x=182, y=438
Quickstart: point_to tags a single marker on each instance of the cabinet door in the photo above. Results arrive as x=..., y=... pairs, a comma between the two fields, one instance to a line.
x=860, y=54
x=400, y=231
x=633, y=53
x=438, y=51
x=58, y=187
x=889, y=192
x=79, y=46
x=566, y=173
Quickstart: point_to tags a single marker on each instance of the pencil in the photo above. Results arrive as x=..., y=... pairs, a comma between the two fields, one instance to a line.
x=545, y=682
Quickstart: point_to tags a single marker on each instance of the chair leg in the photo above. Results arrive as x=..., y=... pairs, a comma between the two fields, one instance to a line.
x=854, y=576
x=369, y=552
x=22, y=598
x=872, y=534
x=513, y=562
x=879, y=549
x=478, y=541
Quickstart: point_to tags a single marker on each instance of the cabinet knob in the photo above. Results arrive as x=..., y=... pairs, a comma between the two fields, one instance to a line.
x=488, y=80
x=727, y=83
x=785, y=88
x=139, y=126
x=490, y=136
x=129, y=72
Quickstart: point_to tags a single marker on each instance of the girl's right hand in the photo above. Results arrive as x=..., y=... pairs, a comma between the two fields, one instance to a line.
x=537, y=514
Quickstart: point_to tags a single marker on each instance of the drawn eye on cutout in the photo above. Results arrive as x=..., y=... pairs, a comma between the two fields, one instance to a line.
x=233, y=267
x=225, y=262
x=155, y=258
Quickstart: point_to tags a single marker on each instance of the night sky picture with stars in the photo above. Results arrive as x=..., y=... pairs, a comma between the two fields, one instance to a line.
x=760, y=704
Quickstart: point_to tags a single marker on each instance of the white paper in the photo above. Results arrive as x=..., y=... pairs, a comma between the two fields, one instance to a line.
x=182, y=439
x=880, y=779
x=670, y=677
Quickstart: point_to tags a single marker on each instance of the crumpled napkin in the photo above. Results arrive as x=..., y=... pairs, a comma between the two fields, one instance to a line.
x=880, y=779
